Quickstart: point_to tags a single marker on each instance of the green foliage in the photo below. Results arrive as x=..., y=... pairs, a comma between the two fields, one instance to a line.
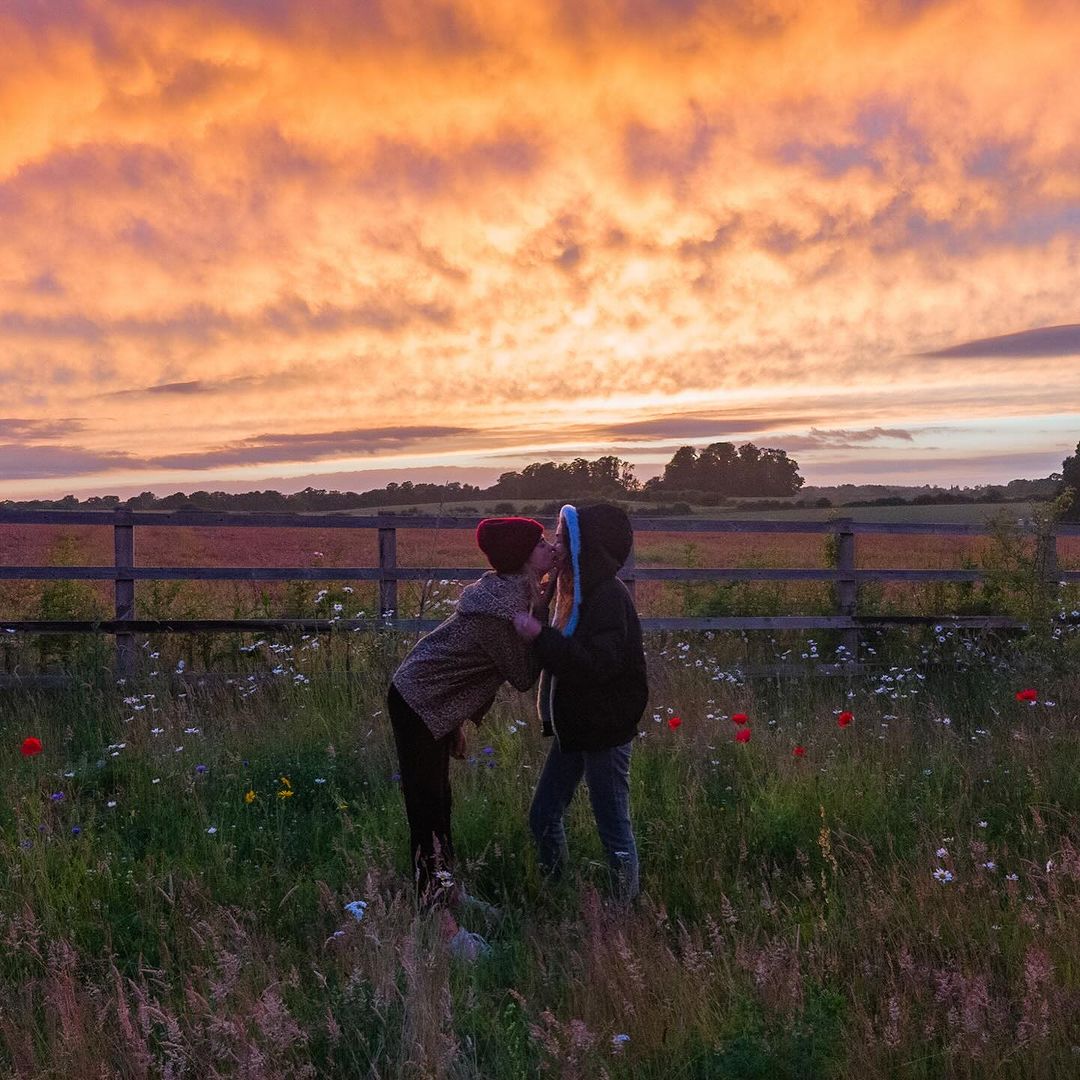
x=804, y=1047
x=788, y=901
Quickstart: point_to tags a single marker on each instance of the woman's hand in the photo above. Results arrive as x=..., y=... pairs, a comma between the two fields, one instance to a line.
x=549, y=586
x=458, y=744
x=527, y=625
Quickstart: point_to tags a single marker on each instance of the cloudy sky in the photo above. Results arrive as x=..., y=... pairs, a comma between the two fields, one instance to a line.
x=252, y=239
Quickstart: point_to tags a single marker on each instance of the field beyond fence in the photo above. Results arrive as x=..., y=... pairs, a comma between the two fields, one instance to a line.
x=392, y=572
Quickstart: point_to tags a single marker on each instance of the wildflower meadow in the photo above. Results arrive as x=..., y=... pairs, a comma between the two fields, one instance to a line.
x=874, y=875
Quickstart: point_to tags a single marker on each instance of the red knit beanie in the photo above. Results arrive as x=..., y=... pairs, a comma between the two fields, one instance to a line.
x=508, y=541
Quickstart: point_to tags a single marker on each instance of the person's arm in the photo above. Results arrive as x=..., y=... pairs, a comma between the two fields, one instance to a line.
x=598, y=656
x=512, y=657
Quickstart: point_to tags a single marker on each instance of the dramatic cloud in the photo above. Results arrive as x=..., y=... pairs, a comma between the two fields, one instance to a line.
x=518, y=229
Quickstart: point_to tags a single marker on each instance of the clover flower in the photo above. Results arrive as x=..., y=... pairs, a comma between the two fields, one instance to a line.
x=356, y=908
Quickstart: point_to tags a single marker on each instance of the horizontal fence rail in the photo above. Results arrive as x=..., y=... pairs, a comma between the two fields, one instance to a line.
x=845, y=575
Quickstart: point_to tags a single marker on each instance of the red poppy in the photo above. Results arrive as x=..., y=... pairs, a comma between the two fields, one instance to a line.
x=1027, y=695
x=799, y=751
x=742, y=735
x=739, y=718
x=31, y=746
x=674, y=722
x=845, y=718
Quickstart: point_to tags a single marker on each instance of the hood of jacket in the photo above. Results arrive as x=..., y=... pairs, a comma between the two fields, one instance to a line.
x=598, y=539
x=503, y=595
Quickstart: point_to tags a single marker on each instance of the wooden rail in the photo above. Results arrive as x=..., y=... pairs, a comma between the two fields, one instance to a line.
x=846, y=575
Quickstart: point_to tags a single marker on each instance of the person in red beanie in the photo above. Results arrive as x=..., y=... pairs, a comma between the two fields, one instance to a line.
x=452, y=675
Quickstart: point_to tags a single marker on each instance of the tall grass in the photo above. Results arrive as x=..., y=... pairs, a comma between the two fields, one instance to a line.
x=902, y=900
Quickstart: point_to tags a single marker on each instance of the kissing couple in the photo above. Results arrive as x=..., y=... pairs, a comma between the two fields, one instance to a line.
x=549, y=611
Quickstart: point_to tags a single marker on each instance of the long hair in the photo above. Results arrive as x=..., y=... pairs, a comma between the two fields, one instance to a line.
x=564, y=614
x=563, y=607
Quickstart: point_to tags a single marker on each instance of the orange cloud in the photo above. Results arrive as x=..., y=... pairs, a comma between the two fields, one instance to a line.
x=361, y=214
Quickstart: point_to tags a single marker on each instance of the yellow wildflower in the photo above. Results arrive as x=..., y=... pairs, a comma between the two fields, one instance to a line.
x=249, y=796
x=285, y=793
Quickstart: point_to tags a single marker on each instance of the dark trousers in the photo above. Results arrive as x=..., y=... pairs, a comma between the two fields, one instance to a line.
x=424, y=762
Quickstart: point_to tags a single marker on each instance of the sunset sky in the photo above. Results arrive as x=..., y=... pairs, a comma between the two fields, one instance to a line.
x=255, y=240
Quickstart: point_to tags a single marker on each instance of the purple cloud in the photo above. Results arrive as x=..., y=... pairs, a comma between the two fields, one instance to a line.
x=289, y=316
x=698, y=427
x=19, y=461
x=260, y=449
x=397, y=164
x=840, y=438
x=13, y=427
x=1042, y=341
x=675, y=154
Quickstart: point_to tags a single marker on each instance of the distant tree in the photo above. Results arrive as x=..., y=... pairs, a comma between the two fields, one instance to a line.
x=716, y=468
x=605, y=477
x=680, y=473
x=779, y=474
x=1070, y=483
x=721, y=469
x=1070, y=471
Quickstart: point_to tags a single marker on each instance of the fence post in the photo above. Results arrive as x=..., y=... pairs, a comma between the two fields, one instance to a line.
x=124, y=560
x=387, y=564
x=629, y=580
x=847, y=589
x=1046, y=562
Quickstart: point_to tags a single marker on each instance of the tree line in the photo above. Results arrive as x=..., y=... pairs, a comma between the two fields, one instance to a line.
x=747, y=470
x=717, y=474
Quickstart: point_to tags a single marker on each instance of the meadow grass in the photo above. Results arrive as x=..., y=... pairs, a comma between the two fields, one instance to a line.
x=902, y=900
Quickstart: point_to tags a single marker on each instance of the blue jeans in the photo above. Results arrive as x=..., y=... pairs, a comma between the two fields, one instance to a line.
x=607, y=775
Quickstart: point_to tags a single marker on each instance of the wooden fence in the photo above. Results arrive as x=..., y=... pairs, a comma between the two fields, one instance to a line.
x=846, y=576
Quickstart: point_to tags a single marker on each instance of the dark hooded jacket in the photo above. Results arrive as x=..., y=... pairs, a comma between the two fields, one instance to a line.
x=594, y=684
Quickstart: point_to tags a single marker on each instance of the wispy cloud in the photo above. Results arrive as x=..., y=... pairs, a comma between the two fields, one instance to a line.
x=14, y=427
x=261, y=449
x=1039, y=342
x=716, y=428
x=32, y=461
x=843, y=439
